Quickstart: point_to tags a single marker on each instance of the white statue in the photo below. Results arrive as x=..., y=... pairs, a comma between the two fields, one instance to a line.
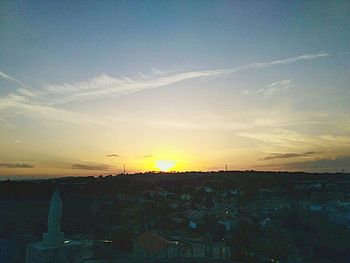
x=53, y=248
x=55, y=213
x=54, y=236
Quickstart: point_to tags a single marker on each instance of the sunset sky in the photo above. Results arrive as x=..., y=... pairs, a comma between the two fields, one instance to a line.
x=88, y=86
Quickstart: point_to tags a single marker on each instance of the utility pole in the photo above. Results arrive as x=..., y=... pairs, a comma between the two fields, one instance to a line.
x=226, y=167
x=124, y=169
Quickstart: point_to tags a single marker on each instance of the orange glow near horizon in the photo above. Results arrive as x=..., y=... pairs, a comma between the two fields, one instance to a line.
x=165, y=165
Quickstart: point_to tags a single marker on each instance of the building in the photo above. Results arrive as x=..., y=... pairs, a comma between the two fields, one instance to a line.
x=151, y=245
x=228, y=222
x=185, y=197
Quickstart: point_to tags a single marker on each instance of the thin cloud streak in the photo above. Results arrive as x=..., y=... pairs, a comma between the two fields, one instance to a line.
x=112, y=155
x=145, y=156
x=45, y=102
x=104, y=84
x=272, y=89
x=273, y=156
x=94, y=167
x=286, y=139
x=16, y=165
x=5, y=76
x=20, y=104
x=321, y=165
x=276, y=87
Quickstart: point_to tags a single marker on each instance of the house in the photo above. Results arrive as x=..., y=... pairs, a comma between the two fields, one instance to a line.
x=315, y=208
x=167, y=194
x=173, y=205
x=265, y=222
x=192, y=224
x=159, y=190
x=340, y=218
x=234, y=192
x=194, y=218
x=151, y=245
x=208, y=189
x=230, y=194
x=185, y=197
x=228, y=222
x=315, y=186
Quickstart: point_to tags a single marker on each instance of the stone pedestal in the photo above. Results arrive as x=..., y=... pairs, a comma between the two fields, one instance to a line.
x=53, y=240
x=68, y=252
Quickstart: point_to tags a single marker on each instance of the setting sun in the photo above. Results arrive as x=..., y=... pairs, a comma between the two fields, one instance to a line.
x=165, y=165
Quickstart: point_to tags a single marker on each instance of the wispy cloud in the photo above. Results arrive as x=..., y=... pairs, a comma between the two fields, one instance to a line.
x=95, y=167
x=275, y=88
x=273, y=156
x=272, y=89
x=145, y=156
x=321, y=165
x=104, y=84
x=45, y=102
x=17, y=104
x=156, y=71
x=112, y=155
x=283, y=139
x=16, y=165
x=5, y=76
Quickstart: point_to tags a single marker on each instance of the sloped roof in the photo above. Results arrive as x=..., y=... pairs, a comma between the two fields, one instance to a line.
x=152, y=242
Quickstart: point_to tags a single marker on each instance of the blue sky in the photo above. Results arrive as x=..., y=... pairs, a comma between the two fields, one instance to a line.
x=173, y=80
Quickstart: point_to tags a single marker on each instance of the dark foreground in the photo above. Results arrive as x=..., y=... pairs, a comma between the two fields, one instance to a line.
x=256, y=216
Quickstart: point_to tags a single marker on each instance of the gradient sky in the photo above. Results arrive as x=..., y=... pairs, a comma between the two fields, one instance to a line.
x=88, y=86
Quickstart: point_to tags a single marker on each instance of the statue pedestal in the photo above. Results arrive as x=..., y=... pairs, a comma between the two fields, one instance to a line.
x=56, y=239
x=68, y=252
